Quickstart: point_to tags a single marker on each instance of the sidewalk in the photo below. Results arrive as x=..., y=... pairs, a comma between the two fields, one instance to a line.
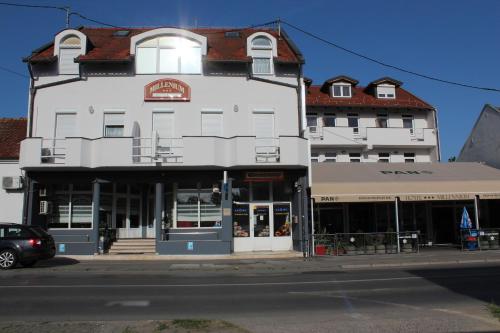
x=265, y=263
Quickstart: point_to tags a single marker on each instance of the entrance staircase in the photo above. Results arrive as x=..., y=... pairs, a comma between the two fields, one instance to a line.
x=133, y=246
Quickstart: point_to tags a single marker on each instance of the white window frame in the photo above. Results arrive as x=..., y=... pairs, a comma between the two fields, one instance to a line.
x=384, y=158
x=315, y=156
x=330, y=116
x=411, y=158
x=212, y=111
x=385, y=91
x=341, y=86
x=161, y=111
x=262, y=52
x=330, y=159
x=70, y=192
x=353, y=158
x=412, y=118
x=158, y=48
x=112, y=111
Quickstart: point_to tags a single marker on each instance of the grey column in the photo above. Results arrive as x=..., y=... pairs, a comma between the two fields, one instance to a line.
x=96, y=205
x=227, y=212
x=30, y=194
x=305, y=215
x=396, y=203
x=158, y=212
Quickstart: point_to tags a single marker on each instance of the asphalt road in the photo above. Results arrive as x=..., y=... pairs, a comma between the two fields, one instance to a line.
x=446, y=299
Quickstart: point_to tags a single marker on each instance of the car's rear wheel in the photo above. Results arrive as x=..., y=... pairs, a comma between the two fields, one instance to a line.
x=8, y=259
x=29, y=263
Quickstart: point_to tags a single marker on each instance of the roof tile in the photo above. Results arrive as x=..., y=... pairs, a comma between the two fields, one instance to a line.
x=12, y=132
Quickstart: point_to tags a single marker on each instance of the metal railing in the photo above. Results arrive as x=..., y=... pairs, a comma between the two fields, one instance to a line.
x=267, y=150
x=53, y=151
x=163, y=150
x=365, y=243
x=482, y=239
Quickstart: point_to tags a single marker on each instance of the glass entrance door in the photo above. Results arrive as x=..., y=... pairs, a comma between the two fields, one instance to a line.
x=261, y=227
x=128, y=212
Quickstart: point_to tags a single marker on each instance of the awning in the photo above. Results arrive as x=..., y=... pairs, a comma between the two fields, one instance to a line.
x=379, y=182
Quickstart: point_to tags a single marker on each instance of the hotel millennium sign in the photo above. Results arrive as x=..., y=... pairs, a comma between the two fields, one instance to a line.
x=165, y=90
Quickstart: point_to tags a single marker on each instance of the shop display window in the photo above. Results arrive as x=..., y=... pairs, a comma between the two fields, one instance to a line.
x=281, y=218
x=241, y=220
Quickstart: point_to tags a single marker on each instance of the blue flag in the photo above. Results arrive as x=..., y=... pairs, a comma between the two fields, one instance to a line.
x=466, y=223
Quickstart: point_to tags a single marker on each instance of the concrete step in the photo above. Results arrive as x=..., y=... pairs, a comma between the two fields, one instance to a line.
x=136, y=240
x=123, y=248
x=133, y=244
x=130, y=251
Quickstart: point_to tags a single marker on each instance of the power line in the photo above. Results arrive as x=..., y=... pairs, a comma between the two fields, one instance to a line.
x=312, y=35
x=13, y=72
x=31, y=6
x=92, y=20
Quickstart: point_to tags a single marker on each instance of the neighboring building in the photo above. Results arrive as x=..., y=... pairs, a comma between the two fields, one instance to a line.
x=191, y=137
x=378, y=123
x=483, y=143
x=12, y=132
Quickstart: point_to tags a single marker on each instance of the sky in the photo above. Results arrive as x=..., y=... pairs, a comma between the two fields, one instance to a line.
x=455, y=40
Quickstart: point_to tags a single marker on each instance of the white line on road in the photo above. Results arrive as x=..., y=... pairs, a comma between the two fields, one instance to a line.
x=129, y=303
x=211, y=284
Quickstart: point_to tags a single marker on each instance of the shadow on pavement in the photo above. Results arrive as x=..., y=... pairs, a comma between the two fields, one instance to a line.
x=56, y=262
x=479, y=282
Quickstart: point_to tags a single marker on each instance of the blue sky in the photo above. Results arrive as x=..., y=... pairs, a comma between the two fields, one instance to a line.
x=456, y=40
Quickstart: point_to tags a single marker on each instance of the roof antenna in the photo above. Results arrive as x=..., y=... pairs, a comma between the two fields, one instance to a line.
x=68, y=14
x=279, y=27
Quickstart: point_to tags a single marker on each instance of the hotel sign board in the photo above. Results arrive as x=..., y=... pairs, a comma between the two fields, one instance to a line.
x=353, y=198
x=437, y=197
x=391, y=197
x=167, y=90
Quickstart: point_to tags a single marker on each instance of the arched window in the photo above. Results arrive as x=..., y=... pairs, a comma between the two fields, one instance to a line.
x=169, y=55
x=262, y=54
x=69, y=48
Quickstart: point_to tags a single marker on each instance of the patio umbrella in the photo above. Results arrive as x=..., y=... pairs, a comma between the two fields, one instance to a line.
x=466, y=222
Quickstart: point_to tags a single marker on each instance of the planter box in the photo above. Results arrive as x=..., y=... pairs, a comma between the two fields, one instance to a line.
x=320, y=250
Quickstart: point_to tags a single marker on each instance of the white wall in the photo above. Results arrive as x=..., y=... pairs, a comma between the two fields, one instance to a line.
x=11, y=202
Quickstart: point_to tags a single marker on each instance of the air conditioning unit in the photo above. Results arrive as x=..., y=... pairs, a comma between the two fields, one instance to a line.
x=42, y=192
x=12, y=183
x=45, y=207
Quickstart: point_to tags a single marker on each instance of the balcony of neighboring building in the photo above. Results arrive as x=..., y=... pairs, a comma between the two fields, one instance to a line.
x=372, y=136
x=155, y=151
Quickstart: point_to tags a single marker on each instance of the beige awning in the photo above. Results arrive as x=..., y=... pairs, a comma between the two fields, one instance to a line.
x=372, y=182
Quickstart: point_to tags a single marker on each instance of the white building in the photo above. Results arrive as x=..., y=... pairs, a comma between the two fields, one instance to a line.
x=378, y=123
x=191, y=138
x=12, y=132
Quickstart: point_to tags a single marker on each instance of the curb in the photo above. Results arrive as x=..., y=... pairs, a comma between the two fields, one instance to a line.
x=422, y=263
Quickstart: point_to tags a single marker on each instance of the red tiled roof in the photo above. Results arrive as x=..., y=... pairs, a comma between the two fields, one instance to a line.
x=12, y=132
x=361, y=97
x=105, y=46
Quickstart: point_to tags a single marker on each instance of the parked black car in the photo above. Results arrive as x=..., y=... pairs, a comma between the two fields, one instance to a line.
x=24, y=244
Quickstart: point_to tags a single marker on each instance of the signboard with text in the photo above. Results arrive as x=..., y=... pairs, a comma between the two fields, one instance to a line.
x=165, y=90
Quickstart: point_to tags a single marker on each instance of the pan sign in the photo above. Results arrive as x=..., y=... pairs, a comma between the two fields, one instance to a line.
x=165, y=90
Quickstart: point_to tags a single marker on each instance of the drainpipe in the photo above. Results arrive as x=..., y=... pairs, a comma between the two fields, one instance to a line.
x=436, y=125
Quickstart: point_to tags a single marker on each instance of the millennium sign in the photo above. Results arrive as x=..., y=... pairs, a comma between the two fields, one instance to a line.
x=165, y=90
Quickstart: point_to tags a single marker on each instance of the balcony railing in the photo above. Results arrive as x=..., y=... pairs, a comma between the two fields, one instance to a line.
x=267, y=150
x=374, y=136
x=53, y=151
x=156, y=149
x=153, y=151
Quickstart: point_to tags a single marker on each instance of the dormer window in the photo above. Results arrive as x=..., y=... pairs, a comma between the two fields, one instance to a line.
x=262, y=54
x=341, y=90
x=386, y=91
x=168, y=55
x=69, y=48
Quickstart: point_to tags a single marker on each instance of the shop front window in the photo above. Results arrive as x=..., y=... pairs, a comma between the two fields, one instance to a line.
x=72, y=207
x=241, y=220
x=260, y=191
x=198, y=208
x=281, y=220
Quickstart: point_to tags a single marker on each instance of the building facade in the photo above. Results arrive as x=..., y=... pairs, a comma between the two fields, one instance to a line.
x=12, y=132
x=191, y=137
x=381, y=122
x=483, y=143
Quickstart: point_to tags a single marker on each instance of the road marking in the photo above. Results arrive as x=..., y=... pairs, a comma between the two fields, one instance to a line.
x=212, y=284
x=129, y=303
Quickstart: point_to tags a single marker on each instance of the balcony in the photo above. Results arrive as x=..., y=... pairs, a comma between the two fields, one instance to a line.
x=372, y=137
x=152, y=152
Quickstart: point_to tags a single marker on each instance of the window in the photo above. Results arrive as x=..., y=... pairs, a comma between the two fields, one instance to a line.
x=341, y=90
x=409, y=123
x=353, y=121
x=113, y=124
x=312, y=119
x=330, y=157
x=382, y=120
x=386, y=91
x=314, y=157
x=384, y=157
x=211, y=124
x=72, y=207
x=355, y=157
x=329, y=120
x=163, y=124
x=199, y=208
x=16, y=232
x=65, y=125
x=69, y=49
x=168, y=54
x=262, y=53
x=409, y=157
